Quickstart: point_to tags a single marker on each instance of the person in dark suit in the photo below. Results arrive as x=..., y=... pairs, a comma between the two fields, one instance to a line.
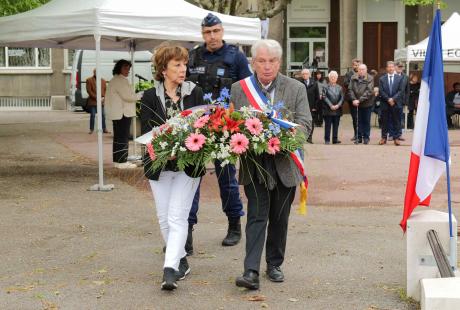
x=395, y=131
x=391, y=94
x=313, y=96
x=270, y=181
x=173, y=190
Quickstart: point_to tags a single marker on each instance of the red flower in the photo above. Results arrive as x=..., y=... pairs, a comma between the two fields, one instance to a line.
x=231, y=124
x=185, y=113
x=215, y=119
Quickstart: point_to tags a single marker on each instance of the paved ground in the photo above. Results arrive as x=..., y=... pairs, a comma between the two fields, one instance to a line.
x=65, y=247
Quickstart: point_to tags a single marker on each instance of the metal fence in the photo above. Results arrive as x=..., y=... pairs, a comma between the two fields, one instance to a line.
x=25, y=103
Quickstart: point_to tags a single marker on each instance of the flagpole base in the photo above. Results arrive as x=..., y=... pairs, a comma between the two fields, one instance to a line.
x=102, y=188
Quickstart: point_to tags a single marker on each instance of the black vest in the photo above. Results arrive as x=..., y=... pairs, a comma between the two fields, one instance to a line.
x=212, y=77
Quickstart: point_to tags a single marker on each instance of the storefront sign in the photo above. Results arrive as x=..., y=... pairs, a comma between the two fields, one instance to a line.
x=447, y=54
x=309, y=11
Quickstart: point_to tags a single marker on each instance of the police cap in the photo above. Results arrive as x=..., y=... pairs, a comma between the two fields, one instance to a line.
x=210, y=20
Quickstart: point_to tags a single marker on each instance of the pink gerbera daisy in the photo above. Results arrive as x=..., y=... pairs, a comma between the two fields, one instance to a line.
x=239, y=143
x=199, y=123
x=273, y=145
x=254, y=125
x=195, y=141
x=151, y=151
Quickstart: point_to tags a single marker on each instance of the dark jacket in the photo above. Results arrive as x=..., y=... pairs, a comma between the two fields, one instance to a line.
x=362, y=89
x=332, y=95
x=405, y=89
x=386, y=93
x=312, y=93
x=450, y=106
x=153, y=114
x=414, y=90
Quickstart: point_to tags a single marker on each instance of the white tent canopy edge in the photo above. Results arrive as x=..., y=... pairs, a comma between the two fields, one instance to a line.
x=116, y=25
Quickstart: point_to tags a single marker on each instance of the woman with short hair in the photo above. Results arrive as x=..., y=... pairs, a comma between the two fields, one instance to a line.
x=120, y=106
x=173, y=190
x=332, y=108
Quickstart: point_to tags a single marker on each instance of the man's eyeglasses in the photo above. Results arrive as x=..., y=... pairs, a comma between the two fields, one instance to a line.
x=213, y=31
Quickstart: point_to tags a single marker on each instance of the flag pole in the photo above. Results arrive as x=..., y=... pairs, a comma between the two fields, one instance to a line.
x=452, y=244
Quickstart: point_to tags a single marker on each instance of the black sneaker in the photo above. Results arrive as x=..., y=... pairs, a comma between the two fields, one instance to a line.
x=169, y=279
x=184, y=269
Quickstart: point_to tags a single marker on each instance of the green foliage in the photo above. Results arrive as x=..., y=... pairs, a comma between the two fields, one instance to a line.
x=424, y=3
x=11, y=7
x=141, y=86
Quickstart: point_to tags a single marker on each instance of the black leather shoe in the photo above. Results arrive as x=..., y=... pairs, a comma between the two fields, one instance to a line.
x=366, y=141
x=249, y=280
x=233, y=233
x=275, y=274
x=336, y=142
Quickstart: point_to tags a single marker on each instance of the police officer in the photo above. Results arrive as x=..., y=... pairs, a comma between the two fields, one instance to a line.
x=215, y=65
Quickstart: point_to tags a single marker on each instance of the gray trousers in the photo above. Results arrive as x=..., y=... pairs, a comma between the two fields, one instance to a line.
x=270, y=207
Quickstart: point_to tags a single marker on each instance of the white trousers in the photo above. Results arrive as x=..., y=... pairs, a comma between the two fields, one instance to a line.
x=173, y=195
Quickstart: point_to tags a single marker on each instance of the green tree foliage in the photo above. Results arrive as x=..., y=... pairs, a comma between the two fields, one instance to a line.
x=424, y=2
x=266, y=8
x=11, y=7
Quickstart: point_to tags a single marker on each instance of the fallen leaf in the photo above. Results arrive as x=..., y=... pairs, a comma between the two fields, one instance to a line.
x=264, y=305
x=102, y=271
x=256, y=298
x=293, y=300
x=99, y=282
x=19, y=288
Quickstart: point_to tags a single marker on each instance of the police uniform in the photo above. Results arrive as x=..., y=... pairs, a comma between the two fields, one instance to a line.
x=213, y=71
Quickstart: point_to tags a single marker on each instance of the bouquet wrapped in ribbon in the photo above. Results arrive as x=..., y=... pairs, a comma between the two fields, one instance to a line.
x=218, y=132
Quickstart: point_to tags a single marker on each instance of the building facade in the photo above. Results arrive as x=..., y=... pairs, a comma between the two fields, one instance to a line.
x=329, y=34
x=34, y=78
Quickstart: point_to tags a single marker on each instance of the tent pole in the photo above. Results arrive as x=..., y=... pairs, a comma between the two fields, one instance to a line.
x=406, y=107
x=100, y=186
x=134, y=156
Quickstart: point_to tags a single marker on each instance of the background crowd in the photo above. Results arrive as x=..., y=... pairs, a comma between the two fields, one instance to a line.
x=390, y=96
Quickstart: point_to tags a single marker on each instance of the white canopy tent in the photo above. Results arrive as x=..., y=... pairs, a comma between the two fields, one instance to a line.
x=116, y=25
x=450, y=48
x=450, y=44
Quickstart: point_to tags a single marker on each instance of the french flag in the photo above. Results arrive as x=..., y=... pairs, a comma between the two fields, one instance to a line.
x=430, y=154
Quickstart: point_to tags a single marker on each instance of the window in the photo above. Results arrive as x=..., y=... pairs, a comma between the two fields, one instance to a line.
x=307, y=47
x=307, y=32
x=68, y=59
x=18, y=57
x=2, y=57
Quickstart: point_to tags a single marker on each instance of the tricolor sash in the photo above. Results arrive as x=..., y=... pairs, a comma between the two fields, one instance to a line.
x=261, y=103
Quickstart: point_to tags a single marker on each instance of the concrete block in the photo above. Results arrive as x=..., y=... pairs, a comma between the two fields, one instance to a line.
x=58, y=103
x=440, y=293
x=420, y=259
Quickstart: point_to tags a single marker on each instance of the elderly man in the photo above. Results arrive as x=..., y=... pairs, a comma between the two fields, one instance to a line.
x=346, y=82
x=313, y=96
x=269, y=181
x=361, y=94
